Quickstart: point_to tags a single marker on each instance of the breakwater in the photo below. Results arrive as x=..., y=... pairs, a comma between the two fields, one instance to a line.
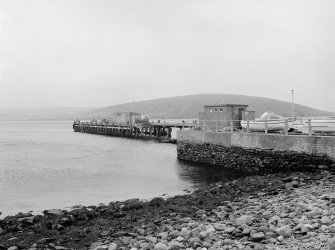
x=256, y=153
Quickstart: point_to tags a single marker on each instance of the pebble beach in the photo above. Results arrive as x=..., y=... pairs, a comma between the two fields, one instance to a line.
x=275, y=211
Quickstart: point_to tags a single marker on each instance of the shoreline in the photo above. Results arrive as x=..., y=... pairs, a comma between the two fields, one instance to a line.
x=275, y=211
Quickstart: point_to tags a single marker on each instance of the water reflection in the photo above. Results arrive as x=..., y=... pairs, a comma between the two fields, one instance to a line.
x=201, y=175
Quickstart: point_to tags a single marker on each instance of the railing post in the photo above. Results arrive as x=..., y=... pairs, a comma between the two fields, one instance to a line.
x=248, y=124
x=266, y=126
x=286, y=127
x=231, y=126
x=216, y=126
x=309, y=127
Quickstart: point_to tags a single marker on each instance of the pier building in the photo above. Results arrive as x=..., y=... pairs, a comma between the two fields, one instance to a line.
x=221, y=116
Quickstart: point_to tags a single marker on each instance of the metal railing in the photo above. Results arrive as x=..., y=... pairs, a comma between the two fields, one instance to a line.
x=219, y=125
x=306, y=128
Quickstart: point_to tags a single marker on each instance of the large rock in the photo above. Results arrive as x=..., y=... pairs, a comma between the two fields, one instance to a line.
x=284, y=231
x=13, y=248
x=157, y=201
x=274, y=220
x=193, y=241
x=54, y=211
x=326, y=220
x=244, y=220
x=174, y=245
x=220, y=227
x=112, y=246
x=229, y=230
x=28, y=220
x=323, y=167
x=258, y=236
x=160, y=246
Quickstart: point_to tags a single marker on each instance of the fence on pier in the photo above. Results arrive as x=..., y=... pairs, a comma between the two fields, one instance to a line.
x=285, y=126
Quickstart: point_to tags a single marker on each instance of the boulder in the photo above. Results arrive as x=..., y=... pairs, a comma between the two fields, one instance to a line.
x=258, y=236
x=54, y=212
x=174, y=245
x=13, y=248
x=157, y=201
x=160, y=246
x=323, y=167
x=244, y=220
x=229, y=230
x=220, y=227
x=284, y=231
x=29, y=219
x=295, y=184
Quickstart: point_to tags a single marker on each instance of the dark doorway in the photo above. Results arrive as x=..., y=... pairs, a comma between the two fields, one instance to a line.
x=240, y=113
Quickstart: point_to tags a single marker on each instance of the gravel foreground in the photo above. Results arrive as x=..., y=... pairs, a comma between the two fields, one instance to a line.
x=277, y=211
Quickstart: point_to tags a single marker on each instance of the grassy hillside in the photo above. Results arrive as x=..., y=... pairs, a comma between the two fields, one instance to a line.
x=189, y=106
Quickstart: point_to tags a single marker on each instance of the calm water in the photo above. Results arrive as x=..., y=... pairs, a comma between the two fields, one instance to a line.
x=46, y=165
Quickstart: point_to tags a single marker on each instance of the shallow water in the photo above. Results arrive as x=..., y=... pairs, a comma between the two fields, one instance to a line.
x=44, y=164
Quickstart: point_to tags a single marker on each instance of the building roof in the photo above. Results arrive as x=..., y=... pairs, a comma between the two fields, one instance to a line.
x=224, y=105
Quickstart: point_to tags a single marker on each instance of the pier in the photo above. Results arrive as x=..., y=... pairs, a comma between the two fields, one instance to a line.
x=139, y=130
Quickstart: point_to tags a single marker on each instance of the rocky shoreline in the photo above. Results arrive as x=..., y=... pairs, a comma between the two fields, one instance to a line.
x=275, y=211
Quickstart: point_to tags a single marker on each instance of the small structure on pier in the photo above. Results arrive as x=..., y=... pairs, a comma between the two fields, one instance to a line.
x=124, y=117
x=224, y=115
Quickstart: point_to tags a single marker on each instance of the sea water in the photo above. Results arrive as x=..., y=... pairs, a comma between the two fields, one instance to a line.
x=44, y=165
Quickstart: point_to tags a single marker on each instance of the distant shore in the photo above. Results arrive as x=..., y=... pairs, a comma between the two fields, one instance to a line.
x=254, y=212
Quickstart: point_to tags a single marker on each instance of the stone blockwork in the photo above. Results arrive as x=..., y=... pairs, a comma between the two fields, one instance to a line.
x=252, y=160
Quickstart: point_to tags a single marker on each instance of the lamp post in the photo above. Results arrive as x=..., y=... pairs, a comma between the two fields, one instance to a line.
x=292, y=91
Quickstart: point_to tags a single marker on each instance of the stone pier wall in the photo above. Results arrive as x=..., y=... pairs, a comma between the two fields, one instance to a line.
x=255, y=153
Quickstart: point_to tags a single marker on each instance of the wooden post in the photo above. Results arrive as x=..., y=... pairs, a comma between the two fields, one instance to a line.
x=286, y=127
x=231, y=126
x=150, y=133
x=168, y=133
x=309, y=127
x=131, y=120
x=266, y=126
x=248, y=124
x=216, y=126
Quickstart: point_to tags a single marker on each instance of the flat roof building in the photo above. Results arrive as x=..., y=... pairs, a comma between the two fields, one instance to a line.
x=219, y=116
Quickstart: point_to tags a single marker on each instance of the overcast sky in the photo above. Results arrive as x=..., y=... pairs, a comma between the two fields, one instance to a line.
x=99, y=53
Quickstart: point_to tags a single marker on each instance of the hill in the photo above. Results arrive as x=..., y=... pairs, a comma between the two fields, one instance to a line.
x=189, y=106
x=47, y=113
